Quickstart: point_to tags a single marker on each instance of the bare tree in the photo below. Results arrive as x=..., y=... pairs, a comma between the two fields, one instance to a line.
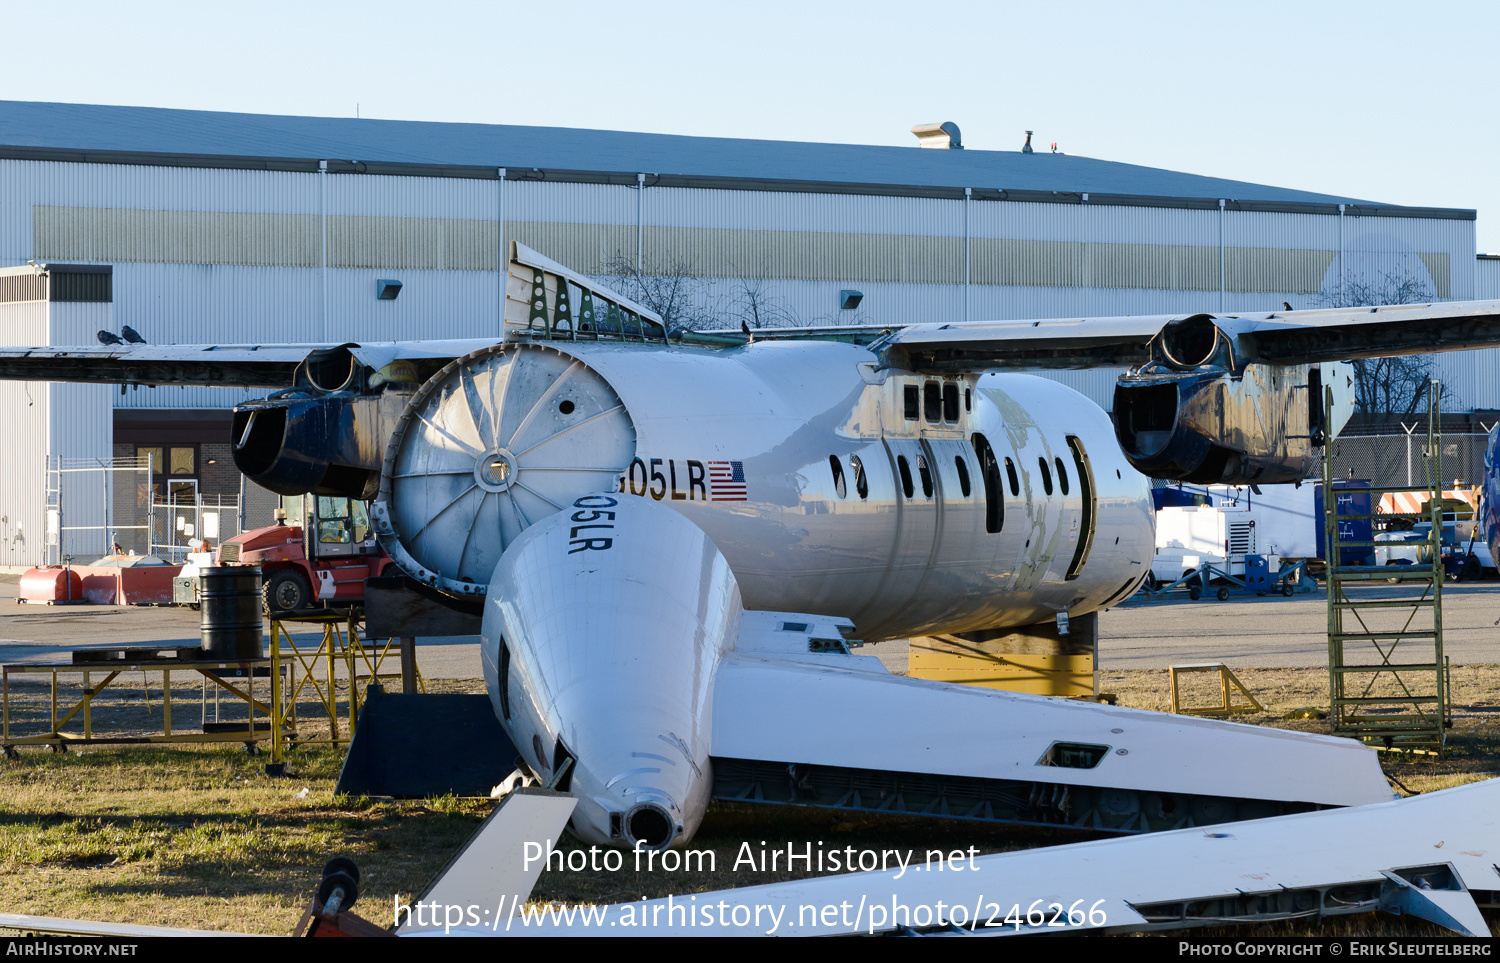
x=1388, y=387
x=672, y=289
x=754, y=306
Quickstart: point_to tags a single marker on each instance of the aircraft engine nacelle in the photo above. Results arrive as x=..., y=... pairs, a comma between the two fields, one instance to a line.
x=296, y=442
x=327, y=434
x=603, y=630
x=1200, y=412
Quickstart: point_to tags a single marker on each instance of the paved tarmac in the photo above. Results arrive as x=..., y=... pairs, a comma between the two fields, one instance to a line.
x=41, y=633
x=1275, y=632
x=1244, y=632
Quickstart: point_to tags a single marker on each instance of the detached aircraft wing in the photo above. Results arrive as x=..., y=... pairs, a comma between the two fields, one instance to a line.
x=839, y=731
x=1430, y=856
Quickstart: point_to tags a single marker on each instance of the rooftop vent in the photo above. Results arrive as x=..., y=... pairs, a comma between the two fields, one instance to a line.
x=1026, y=147
x=944, y=135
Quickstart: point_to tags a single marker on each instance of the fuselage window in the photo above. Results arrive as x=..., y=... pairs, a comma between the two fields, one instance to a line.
x=968, y=398
x=838, y=475
x=1062, y=476
x=963, y=476
x=1046, y=475
x=989, y=473
x=861, y=484
x=932, y=402
x=905, y=471
x=926, y=475
x=912, y=404
x=950, y=403
x=1015, y=483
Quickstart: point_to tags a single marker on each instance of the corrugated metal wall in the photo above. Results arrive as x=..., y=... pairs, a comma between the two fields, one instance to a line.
x=230, y=256
x=24, y=427
x=1487, y=277
x=80, y=426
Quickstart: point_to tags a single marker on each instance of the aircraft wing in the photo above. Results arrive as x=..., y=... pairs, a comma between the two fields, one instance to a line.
x=231, y=365
x=1277, y=338
x=848, y=713
x=1425, y=856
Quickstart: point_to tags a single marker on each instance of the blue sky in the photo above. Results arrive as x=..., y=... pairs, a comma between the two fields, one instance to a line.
x=1391, y=102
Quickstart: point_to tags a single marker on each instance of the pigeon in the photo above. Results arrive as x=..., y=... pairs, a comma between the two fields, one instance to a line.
x=106, y=337
x=132, y=335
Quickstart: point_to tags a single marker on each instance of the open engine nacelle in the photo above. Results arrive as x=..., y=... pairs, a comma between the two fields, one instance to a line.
x=327, y=434
x=1203, y=411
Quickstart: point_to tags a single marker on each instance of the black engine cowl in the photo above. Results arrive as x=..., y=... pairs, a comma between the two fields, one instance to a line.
x=1210, y=426
x=298, y=442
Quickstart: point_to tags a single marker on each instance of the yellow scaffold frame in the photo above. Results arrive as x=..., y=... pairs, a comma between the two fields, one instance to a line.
x=1229, y=684
x=340, y=645
x=256, y=728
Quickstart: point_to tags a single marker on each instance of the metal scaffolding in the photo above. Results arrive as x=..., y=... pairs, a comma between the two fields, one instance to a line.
x=1387, y=674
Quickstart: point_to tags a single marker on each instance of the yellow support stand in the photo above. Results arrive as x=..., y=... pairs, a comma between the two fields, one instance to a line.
x=258, y=712
x=339, y=648
x=1032, y=673
x=1229, y=684
x=1047, y=659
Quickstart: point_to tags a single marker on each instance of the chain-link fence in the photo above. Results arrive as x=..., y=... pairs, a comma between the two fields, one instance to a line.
x=89, y=507
x=260, y=505
x=97, y=507
x=1401, y=459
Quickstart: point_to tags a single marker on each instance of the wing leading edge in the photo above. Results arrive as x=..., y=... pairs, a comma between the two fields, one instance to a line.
x=1273, y=338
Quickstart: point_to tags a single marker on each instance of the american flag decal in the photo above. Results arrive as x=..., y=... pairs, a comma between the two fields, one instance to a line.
x=726, y=481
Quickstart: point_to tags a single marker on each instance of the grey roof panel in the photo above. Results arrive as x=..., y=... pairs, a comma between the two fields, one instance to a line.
x=100, y=128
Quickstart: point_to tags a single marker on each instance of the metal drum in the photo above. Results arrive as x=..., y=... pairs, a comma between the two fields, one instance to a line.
x=230, y=601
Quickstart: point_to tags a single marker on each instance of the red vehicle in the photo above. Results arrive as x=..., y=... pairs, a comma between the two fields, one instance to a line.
x=322, y=563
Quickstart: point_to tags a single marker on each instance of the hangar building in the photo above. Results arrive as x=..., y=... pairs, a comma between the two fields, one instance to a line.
x=193, y=226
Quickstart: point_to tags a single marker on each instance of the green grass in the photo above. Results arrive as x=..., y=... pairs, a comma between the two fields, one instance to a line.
x=201, y=837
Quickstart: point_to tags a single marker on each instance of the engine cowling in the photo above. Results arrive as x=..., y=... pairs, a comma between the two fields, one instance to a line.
x=1201, y=412
x=298, y=441
x=326, y=435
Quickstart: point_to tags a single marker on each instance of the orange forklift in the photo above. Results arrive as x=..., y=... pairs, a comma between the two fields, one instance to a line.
x=322, y=563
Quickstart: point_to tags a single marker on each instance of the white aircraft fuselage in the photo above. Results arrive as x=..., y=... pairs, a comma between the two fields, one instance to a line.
x=910, y=504
x=799, y=479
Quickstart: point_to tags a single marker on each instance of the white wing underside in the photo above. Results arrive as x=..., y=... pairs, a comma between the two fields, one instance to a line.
x=1385, y=851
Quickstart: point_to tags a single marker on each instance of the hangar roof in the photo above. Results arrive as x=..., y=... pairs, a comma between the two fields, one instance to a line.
x=123, y=134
